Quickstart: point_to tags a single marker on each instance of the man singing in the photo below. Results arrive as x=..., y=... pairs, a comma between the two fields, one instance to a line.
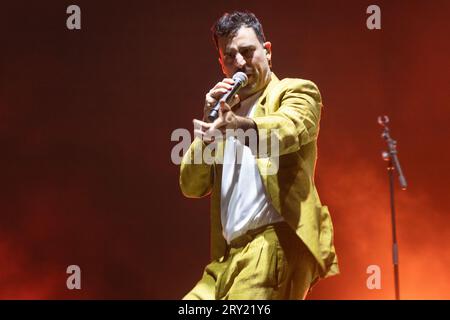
x=271, y=238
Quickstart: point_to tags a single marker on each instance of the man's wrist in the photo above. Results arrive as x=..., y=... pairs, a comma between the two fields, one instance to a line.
x=245, y=123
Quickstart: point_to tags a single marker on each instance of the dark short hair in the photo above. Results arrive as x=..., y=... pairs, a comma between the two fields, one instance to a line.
x=230, y=23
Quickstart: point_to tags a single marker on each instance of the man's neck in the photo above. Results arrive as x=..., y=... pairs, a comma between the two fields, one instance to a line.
x=244, y=106
x=259, y=92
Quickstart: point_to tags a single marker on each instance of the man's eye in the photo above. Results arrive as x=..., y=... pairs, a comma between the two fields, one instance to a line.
x=247, y=53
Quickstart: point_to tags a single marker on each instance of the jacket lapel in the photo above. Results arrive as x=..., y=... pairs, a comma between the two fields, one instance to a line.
x=260, y=110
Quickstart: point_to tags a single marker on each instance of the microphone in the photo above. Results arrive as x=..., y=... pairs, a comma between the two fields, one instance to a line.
x=240, y=80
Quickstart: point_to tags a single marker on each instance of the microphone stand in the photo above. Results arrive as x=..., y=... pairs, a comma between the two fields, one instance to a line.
x=392, y=164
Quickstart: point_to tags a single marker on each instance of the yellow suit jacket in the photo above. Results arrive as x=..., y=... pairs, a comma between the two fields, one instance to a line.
x=289, y=111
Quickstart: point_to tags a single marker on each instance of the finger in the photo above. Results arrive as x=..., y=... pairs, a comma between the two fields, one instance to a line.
x=224, y=85
x=217, y=93
x=228, y=80
x=224, y=107
x=220, y=89
x=234, y=101
x=222, y=112
x=200, y=125
x=198, y=133
x=205, y=135
x=210, y=101
x=216, y=132
x=225, y=130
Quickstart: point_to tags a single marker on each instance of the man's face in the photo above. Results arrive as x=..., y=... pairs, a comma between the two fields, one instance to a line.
x=245, y=53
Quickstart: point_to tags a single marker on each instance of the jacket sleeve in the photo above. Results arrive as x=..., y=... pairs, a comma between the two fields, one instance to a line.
x=295, y=122
x=196, y=176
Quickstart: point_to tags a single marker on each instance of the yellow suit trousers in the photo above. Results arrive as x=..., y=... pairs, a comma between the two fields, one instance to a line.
x=274, y=265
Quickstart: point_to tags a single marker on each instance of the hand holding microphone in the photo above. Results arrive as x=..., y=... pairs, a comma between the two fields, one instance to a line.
x=217, y=114
x=226, y=90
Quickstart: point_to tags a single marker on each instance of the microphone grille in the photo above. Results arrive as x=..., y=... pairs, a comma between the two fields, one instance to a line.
x=242, y=77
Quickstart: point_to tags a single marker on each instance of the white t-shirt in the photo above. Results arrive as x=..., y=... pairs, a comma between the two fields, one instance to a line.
x=245, y=204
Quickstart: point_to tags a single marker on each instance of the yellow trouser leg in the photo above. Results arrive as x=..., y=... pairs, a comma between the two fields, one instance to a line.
x=274, y=265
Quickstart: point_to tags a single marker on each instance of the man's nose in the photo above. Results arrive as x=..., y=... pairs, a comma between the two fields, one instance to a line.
x=239, y=61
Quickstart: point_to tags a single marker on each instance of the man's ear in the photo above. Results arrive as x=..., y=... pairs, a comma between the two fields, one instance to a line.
x=268, y=49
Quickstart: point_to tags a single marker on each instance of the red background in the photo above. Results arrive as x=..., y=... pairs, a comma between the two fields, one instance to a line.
x=86, y=118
